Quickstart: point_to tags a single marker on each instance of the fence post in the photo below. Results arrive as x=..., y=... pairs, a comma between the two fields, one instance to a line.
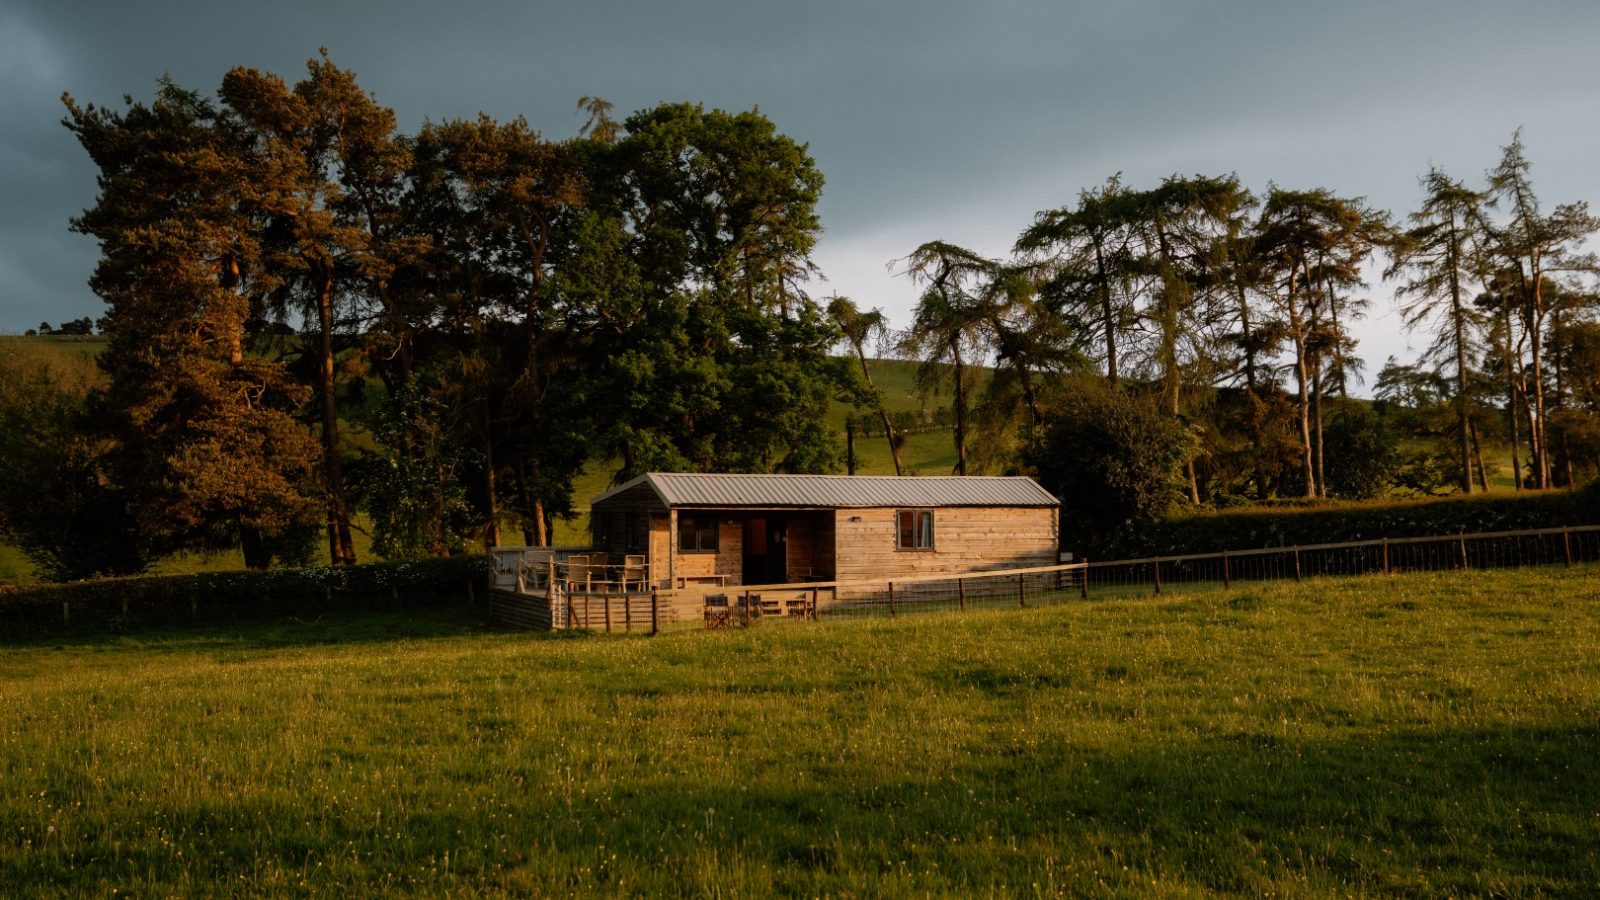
x=1226, y=582
x=1386, y=556
x=961, y=591
x=550, y=582
x=66, y=613
x=1462, y=541
x=744, y=610
x=813, y=616
x=891, y=599
x=1296, y=563
x=1158, y=576
x=1083, y=585
x=1566, y=542
x=655, y=613
x=627, y=612
x=1022, y=591
x=608, y=613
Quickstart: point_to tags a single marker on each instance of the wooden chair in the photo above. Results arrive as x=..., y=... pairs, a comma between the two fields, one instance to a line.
x=797, y=608
x=635, y=572
x=603, y=576
x=718, y=613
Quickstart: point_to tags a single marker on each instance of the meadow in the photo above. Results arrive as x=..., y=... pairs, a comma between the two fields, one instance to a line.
x=1420, y=735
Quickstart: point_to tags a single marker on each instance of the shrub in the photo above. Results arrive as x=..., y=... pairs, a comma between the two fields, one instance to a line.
x=1335, y=522
x=1361, y=454
x=1113, y=459
x=212, y=596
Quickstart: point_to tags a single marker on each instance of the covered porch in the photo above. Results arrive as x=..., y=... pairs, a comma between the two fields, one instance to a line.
x=733, y=546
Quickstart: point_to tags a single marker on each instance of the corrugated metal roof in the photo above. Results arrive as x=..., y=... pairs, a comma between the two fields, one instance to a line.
x=686, y=489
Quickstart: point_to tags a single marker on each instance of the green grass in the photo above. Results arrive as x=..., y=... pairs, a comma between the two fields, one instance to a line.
x=1425, y=735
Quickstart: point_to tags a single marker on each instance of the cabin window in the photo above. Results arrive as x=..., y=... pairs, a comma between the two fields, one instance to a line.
x=915, y=529
x=637, y=527
x=697, y=534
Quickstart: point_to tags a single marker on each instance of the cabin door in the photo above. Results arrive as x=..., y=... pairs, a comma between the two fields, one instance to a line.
x=766, y=550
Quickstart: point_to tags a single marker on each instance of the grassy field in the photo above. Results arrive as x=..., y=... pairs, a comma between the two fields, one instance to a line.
x=1422, y=735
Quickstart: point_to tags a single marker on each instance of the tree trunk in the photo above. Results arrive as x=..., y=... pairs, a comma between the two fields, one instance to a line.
x=341, y=551
x=541, y=522
x=1537, y=424
x=961, y=413
x=1301, y=378
x=1458, y=323
x=883, y=411
x=524, y=503
x=1316, y=418
x=251, y=544
x=1253, y=405
x=1477, y=450
x=1107, y=315
x=1511, y=395
x=491, y=534
x=1563, y=460
x=850, y=446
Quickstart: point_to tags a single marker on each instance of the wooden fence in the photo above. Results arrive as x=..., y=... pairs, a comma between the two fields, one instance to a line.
x=564, y=603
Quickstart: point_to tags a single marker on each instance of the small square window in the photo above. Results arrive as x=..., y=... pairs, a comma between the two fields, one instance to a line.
x=914, y=529
x=697, y=534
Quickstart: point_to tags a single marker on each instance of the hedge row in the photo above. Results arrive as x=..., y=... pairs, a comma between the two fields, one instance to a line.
x=1246, y=529
x=121, y=603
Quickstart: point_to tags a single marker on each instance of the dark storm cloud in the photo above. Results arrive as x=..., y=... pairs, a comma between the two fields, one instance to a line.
x=930, y=119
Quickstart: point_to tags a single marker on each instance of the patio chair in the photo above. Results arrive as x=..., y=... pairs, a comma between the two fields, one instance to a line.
x=718, y=613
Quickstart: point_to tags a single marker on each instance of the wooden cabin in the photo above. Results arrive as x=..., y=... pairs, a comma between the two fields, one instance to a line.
x=713, y=529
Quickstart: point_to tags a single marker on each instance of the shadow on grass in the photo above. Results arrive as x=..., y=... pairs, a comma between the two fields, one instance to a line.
x=343, y=627
x=1476, y=811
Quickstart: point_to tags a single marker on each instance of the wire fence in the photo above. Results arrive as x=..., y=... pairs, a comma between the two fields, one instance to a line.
x=1482, y=550
x=1016, y=588
x=571, y=602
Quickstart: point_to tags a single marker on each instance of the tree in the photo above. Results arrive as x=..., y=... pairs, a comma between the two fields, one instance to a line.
x=57, y=503
x=1180, y=221
x=859, y=328
x=413, y=486
x=1114, y=459
x=1363, y=454
x=1032, y=349
x=1085, y=261
x=1311, y=243
x=1237, y=272
x=713, y=357
x=200, y=438
x=511, y=195
x=327, y=158
x=1532, y=245
x=946, y=324
x=1438, y=252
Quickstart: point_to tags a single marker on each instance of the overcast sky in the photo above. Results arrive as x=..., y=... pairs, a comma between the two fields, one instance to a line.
x=933, y=119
